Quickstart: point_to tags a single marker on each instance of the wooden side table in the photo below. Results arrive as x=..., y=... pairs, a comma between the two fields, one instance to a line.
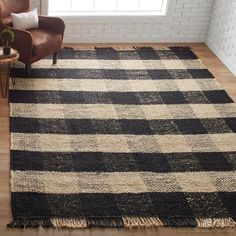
x=8, y=61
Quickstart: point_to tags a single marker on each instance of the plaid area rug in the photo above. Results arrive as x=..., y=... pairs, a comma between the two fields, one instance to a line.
x=122, y=137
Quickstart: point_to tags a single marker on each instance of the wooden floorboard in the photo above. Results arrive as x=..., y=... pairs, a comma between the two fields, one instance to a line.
x=223, y=76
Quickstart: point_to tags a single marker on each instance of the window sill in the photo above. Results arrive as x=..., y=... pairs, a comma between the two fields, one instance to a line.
x=79, y=14
x=114, y=18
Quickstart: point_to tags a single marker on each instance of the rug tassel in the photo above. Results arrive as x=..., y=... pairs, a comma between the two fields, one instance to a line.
x=142, y=222
x=30, y=223
x=124, y=222
x=112, y=222
x=69, y=223
x=216, y=223
x=87, y=223
x=180, y=47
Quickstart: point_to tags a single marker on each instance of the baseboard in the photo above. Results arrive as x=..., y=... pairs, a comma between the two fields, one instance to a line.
x=131, y=40
x=230, y=65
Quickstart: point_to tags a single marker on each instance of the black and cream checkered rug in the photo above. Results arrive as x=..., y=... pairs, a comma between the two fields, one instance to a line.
x=114, y=137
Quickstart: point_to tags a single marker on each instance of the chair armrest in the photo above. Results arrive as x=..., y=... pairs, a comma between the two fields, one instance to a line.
x=23, y=42
x=54, y=24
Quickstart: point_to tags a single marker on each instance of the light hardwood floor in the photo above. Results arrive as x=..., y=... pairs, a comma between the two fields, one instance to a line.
x=223, y=76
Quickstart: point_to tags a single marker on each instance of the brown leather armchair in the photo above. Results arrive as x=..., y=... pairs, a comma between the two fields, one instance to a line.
x=33, y=44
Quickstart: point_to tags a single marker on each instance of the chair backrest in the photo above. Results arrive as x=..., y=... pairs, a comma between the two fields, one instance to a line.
x=12, y=6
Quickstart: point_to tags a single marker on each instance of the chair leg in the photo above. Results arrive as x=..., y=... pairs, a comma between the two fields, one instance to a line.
x=55, y=55
x=28, y=69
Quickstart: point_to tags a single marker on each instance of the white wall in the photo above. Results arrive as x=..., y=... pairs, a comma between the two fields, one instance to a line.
x=187, y=21
x=221, y=37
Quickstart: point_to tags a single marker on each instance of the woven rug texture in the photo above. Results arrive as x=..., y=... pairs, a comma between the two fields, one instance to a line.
x=122, y=137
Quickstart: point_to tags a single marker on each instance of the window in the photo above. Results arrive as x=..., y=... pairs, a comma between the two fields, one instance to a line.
x=106, y=7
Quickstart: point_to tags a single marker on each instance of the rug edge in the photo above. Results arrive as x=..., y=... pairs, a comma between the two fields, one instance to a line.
x=122, y=222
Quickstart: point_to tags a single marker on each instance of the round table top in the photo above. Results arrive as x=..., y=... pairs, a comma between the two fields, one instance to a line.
x=5, y=59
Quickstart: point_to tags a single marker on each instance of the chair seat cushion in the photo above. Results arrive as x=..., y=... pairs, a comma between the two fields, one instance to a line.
x=45, y=41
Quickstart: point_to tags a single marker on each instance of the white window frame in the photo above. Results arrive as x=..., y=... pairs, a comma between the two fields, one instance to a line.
x=112, y=16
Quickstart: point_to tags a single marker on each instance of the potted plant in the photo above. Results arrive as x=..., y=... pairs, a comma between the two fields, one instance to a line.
x=7, y=37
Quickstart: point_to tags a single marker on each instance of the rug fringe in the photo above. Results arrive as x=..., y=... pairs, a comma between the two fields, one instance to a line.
x=112, y=222
x=180, y=47
x=69, y=223
x=118, y=47
x=84, y=48
x=123, y=222
x=179, y=221
x=215, y=223
x=88, y=223
x=30, y=223
x=142, y=222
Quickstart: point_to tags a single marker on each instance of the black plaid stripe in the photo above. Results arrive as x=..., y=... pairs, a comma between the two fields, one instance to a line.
x=183, y=53
x=145, y=127
x=192, y=205
x=123, y=162
x=114, y=74
x=145, y=53
x=72, y=97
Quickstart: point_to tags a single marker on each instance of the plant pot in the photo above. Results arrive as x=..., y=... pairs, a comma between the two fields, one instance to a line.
x=6, y=50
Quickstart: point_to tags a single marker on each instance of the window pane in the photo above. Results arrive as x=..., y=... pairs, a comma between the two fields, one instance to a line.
x=59, y=5
x=105, y=5
x=151, y=5
x=82, y=5
x=128, y=5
